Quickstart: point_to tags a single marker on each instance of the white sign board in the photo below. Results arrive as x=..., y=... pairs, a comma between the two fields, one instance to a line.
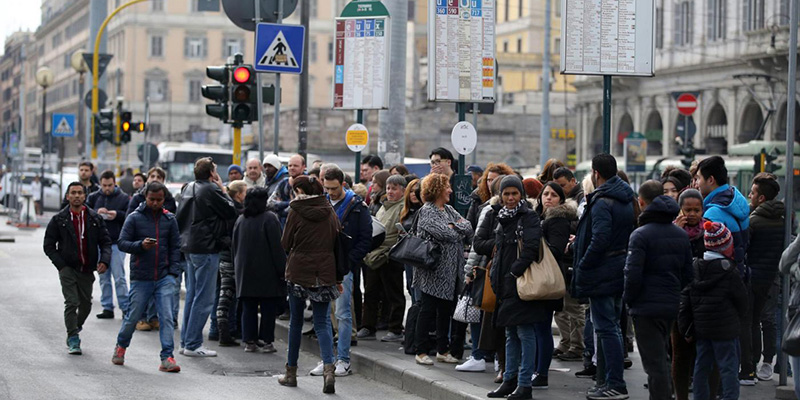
x=464, y=138
x=461, y=51
x=608, y=37
x=361, y=68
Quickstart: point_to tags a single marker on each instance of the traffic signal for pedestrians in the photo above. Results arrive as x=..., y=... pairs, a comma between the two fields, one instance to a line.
x=244, y=98
x=217, y=93
x=104, y=126
x=268, y=94
x=125, y=126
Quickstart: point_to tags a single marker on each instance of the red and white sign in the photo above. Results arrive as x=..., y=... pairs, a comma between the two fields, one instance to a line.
x=687, y=104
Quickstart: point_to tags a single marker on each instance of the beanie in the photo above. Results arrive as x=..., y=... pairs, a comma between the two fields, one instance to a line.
x=532, y=187
x=511, y=181
x=235, y=167
x=273, y=160
x=718, y=239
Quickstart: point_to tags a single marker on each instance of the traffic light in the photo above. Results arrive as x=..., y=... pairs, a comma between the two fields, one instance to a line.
x=244, y=98
x=104, y=126
x=217, y=93
x=140, y=126
x=769, y=165
x=125, y=126
x=268, y=94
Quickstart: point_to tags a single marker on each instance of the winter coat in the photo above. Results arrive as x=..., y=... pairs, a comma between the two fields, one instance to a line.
x=357, y=224
x=444, y=281
x=576, y=194
x=226, y=254
x=309, y=238
x=260, y=182
x=139, y=198
x=474, y=208
x=601, y=240
x=556, y=228
x=116, y=201
x=280, y=176
x=61, y=242
x=766, y=241
x=713, y=305
x=388, y=215
x=279, y=201
x=727, y=206
x=659, y=262
x=475, y=259
x=163, y=259
x=202, y=218
x=259, y=259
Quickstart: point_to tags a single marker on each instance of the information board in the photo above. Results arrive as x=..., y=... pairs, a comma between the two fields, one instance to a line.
x=361, y=68
x=461, y=51
x=608, y=37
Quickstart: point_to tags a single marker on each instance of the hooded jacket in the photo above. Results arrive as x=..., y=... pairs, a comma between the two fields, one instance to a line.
x=727, y=206
x=556, y=228
x=357, y=224
x=309, y=237
x=116, y=201
x=259, y=259
x=659, y=262
x=766, y=241
x=139, y=198
x=202, y=218
x=61, y=242
x=601, y=240
x=280, y=176
x=389, y=216
x=163, y=259
x=713, y=305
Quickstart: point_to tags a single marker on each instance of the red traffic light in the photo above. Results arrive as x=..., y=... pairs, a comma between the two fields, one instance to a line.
x=241, y=74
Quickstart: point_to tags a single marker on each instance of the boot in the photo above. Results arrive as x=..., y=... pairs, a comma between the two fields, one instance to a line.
x=522, y=393
x=328, y=373
x=225, y=338
x=505, y=389
x=290, y=378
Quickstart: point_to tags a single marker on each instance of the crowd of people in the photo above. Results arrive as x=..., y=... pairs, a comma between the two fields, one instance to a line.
x=684, y=266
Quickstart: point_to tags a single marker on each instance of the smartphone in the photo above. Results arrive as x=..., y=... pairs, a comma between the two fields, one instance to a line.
x=151, y=240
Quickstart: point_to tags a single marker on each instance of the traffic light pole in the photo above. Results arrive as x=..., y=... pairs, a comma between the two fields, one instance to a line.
x=277, y=118
x=237, y=144
x=260, y=108
x=117, y=128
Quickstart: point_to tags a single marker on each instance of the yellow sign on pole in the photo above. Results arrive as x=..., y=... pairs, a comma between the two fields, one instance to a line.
x=357, y=137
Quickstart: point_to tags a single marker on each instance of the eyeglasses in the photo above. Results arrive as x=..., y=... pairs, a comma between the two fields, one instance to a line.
x=436, y=162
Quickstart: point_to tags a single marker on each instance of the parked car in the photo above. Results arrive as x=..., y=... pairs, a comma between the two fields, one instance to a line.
x=50, y=182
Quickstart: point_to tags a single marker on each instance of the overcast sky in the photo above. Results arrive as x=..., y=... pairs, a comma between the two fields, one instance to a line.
x=18, y=15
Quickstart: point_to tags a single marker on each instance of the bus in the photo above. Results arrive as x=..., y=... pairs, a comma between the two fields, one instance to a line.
x=178, y=160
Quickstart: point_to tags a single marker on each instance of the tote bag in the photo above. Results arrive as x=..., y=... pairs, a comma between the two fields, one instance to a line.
x=543, y=280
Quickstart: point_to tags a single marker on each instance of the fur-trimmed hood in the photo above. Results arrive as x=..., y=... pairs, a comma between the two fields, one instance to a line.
x=568, y=210
x=314, y=208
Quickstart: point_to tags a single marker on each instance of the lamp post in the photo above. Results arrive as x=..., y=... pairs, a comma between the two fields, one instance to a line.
x=80, y=66
x=44, y=78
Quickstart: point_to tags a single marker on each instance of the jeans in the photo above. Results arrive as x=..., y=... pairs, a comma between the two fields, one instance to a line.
x=201, y=283
x=433, y=311
x=140, y=295
x=150, y=312
x=764, y=305
x=588, y=339
x=176, y=300
x=76, y=287
x=251, y=330
x=652, y=337
x=726, y=355
x=520, y=349
x=386, y=280
x=117, y=271
x=475, y=332
x=544, y=346
x=344, y=315
x=322, y=328
x=795, y=362
x=610, y=353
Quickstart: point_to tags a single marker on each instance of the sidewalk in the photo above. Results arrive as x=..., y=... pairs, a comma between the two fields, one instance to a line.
x=386, y=363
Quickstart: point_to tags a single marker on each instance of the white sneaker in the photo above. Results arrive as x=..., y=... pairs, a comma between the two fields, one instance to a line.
x=317, y=371
x=472, y=365
x=199, y=352
x=181, y=350
x=765, y=372
x=496, y=365
x=342, y=368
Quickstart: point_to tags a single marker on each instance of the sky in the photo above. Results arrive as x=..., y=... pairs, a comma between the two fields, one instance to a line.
x=18, y=15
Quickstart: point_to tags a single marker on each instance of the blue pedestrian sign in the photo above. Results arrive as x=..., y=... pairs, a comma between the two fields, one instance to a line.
x=279, y=48
x=63, y=125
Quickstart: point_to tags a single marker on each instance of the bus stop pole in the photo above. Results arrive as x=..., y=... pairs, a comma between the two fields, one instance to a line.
x=606, y=114
x=359, y=120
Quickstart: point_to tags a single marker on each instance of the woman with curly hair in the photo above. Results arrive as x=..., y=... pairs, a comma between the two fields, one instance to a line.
x=483, y=193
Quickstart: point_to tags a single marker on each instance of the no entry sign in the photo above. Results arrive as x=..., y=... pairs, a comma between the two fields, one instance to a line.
x=687, y=104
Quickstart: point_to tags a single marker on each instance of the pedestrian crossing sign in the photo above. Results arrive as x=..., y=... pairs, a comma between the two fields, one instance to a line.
x=279, y=48
x=63, y=125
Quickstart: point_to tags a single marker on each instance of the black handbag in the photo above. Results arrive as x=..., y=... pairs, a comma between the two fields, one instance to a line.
x=791, y=336
x=415, y=251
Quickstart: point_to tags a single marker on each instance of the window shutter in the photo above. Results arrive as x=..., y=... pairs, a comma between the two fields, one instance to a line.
x=690, y=21
x=723, y=25
x=711, y=23
x=205, y=48
x=146, y=88
x=745, y=15
x=677, y=28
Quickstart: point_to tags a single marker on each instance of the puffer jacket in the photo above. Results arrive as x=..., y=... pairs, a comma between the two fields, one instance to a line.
x=601, y=240
x=202, y=218
x=280, y=176
x=116, y=201
x=138, y=198
x=474, y=208
x=727, y=206
x=556, y=228
x=388, y=215
x=766, y=241
x=309, y=238
x=713, y=305
x=659, y=262
x=61, y=242
x=160, y=261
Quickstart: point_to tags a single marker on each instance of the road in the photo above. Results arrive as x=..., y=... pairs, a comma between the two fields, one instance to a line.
x=34, y=363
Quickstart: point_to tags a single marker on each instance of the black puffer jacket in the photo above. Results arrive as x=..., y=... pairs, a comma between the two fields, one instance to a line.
x=116, y=201
x=714, y=303
x=163, y=259
x=556, y=228
x=202, y=218
x=766, y=241
x=61, y=242
x=659, y=262
x=138, y=198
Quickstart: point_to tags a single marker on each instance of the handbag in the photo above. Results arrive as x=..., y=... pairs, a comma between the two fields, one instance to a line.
x=488, y=299
x=465, y=312
x=543, y=280
x=415, y=251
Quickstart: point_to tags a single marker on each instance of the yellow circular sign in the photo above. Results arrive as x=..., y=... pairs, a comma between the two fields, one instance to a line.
x=357, y=137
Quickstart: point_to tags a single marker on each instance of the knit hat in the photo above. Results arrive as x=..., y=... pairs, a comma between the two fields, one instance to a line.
x=273, y=160
x=475, y=168
x=532, y=187
x=718, y=239
x=511, y=181
x=235, y=167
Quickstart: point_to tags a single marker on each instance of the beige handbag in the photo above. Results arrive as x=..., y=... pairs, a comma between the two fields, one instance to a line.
x=543, y=280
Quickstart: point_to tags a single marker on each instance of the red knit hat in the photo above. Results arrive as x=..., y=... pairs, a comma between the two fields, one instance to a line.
x=532, y=187
x=718, y=239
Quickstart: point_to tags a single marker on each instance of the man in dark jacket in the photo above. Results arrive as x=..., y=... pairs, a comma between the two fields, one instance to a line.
x=599, y=253
x=110, y=202
x=150, y=235
x=77, y=243
x=566, y=179
x=658, y=267
x=205, y=207
x=279, y=200
x=767, y=226
x=155, y=174
x=357, y=224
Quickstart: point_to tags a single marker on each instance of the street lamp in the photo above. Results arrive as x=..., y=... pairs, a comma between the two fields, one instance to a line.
x=80, y=66
x=44, y=78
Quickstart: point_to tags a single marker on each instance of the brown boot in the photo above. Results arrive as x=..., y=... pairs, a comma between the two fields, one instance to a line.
x=328, y=373
x=290, y=378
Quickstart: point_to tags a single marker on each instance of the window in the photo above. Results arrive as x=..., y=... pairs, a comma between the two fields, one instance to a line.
x=659, y=28
x=558, y=9
x=716, y=20
x=556, y=46
x=156, y=88
x=154, y=128
x=56, y=40
x=194, y=90
x=784, y=11
x=519, y=45
x=312, y=51
x=205, y=5
x=195, y=47
x=67, y=61
x=156, y=46
x=683, y=23
x=231, y=46
x=507, y=2
x=312, y=8
x=157, y=5
x=753, y=14
x=505, y=46
x=330, y=51
x=412, y=8
x=519, y=9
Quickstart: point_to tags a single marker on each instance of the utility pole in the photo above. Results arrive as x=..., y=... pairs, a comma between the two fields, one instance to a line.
x=392, y=122
x=544, y=138
x=302, y=132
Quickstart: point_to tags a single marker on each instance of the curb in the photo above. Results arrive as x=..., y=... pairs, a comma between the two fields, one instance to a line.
x=394, y=370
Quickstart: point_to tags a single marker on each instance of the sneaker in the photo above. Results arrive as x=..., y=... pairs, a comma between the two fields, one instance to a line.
x=169, y=365
x=472, y=365
x=539, y=382
x=317, y=371
x=251, y=347
x=106, y=314
x=342, y=368
x=570, y=356
x=446, y=358
x=119, y=356
x=423, y=360
x=765, y=372
x=199, y=352
x=594, y=390
x=609, y=394
x=393, y=337
x=181, y=350
x=74, y=345
x=366, y=334
x=143, y=326
x=496, y=365
x=748, y=380
x=587, y=372
x=269, y=348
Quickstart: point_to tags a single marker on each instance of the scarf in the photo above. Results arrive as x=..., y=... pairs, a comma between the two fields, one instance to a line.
x=694, y=231
x=506, y=213
x=348, y=196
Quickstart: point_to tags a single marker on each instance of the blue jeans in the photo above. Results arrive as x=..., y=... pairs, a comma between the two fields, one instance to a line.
x=606, y=311
x=345, y=317
x=141, y=293
x=544, y=346
x=150, y=312
x=176, y=300
x=475, y=333
x=201, y=283
x=725, y=353
x=322, y=327
x=117, y=271
x=520, y=349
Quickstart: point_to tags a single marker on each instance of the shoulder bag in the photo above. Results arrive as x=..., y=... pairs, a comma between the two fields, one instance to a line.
x=543, y=280
x=415, y=251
